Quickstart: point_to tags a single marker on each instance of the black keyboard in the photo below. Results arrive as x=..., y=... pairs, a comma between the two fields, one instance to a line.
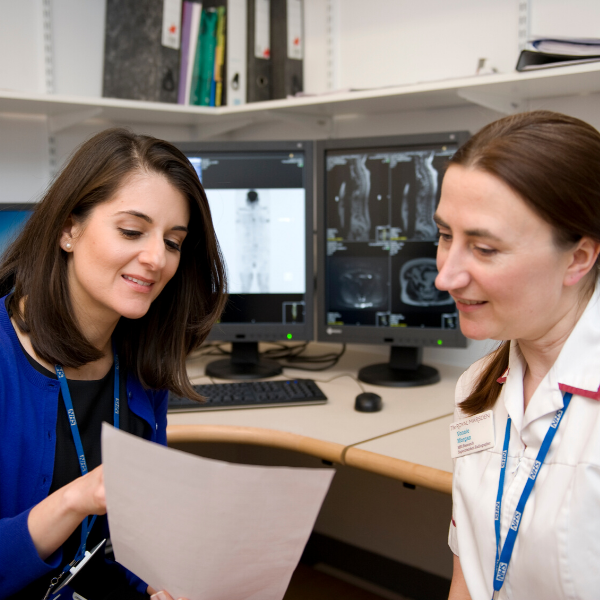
x=251, y=394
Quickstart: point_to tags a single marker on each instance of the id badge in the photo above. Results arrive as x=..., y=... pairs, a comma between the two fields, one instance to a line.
x=473, y=434
x=64, y=590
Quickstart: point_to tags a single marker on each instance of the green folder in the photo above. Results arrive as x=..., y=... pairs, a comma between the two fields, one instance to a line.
x=205, y=59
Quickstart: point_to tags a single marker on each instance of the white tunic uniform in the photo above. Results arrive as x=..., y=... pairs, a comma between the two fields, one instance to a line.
x=557, y=551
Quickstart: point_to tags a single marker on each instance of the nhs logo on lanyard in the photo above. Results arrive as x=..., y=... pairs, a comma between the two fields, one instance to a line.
x=556, y=419
x=501, y=574
x=516, y=520
x=535, y=469
x=497, y=515
x=503, y=463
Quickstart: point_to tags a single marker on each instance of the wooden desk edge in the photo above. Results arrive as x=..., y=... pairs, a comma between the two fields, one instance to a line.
x=354, y=457
x=256, y=436
x=395, y=468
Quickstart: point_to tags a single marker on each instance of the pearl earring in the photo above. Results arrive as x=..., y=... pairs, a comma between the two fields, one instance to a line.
x=68, y=245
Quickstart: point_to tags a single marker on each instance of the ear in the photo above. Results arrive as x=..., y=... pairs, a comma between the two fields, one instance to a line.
x=67, y=236
x=583, y=259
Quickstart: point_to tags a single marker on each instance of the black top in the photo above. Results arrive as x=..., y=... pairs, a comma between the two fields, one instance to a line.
x=93, y=403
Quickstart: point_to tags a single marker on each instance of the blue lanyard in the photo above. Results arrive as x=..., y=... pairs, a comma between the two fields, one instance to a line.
x=86, y=526
x=503, y=556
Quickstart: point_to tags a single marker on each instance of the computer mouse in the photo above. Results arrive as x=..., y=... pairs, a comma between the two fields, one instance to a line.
x=368, y=402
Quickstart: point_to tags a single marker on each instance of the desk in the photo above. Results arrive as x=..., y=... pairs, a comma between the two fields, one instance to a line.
x=383, y=442
x=419, y=455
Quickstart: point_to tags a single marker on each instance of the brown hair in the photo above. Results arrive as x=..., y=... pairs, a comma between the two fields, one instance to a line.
x=154, y=347
x=552, y=161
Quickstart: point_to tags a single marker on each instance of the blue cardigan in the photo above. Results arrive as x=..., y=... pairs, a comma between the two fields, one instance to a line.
x=28, y=409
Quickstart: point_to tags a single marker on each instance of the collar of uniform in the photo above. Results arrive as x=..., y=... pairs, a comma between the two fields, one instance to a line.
x=546, y=399
x=577, y=368
x=512, y=389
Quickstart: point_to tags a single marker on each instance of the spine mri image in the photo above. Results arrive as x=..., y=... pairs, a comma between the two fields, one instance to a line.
x=381, y=237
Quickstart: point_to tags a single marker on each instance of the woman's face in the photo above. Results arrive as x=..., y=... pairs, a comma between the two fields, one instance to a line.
x=498, y=260
x=127, y=249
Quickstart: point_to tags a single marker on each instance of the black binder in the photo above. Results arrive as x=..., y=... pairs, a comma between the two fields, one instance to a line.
x=287, y=43
x=259, y=67
x=136, y=64
x=530, y=60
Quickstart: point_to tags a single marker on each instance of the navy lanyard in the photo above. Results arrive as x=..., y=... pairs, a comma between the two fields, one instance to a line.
x=503, y=556
x=86, y=526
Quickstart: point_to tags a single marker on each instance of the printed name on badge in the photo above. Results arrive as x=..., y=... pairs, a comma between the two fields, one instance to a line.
x=472, y=434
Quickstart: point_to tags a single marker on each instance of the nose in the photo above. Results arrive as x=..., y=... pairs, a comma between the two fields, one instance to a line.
x=453, y=273
x=153, y=254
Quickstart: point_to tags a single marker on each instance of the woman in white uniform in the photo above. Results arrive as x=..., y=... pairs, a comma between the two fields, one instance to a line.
x=519, y=222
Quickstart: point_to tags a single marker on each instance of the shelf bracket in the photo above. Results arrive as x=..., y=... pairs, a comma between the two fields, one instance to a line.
x=58, y=123
x=323, y=124
x=503, y=104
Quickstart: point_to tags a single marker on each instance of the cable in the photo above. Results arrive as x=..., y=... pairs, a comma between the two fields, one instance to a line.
x=288, y=356
x=330, y=359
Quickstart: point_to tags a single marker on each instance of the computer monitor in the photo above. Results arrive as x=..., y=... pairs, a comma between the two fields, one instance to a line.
x=376, y=250
x=260, y=196
x=12, y=220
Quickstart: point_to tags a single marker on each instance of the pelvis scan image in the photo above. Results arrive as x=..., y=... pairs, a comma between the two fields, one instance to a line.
x=417, y=286
x=360, y=283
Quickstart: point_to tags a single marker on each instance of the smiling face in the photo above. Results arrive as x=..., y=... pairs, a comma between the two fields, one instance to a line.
x=499, y=261
x=126, y=250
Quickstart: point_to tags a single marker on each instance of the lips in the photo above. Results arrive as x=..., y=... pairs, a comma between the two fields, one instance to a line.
x=466, y=306
x=469, y=302
x=139, y=280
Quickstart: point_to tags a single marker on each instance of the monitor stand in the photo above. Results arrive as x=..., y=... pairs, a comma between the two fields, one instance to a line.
x=403, y=370
x=244, y=363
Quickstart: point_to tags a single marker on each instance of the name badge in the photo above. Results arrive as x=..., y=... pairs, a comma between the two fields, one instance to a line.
x=472, y=434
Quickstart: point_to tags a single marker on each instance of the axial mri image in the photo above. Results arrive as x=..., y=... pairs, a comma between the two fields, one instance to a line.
x=417, y=287
x=359, y=283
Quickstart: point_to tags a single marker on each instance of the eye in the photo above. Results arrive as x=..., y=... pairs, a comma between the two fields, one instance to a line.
x=173, y=245
x=130, y=233
x=486, y=251
x=446, y=237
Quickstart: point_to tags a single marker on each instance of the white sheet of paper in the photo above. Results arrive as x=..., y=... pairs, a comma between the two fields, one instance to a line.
x=206, y=529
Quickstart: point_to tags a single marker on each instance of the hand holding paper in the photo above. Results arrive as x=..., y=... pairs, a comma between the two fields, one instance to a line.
x=206, y=529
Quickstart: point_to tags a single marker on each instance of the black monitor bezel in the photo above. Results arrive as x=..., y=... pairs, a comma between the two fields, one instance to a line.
x=271, y=332
x=364, y=334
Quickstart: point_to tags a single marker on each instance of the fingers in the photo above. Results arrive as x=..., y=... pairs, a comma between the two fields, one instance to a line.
x=91, y=493
x=163, y=596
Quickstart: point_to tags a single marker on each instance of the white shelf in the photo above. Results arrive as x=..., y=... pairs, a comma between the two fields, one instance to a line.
x=505, y=93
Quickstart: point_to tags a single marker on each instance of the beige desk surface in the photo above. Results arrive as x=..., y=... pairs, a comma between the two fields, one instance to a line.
x=419, y=455
x=327, y=431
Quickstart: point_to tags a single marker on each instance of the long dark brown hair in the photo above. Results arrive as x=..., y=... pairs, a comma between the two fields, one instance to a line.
x=154, y=347
x=552, y=161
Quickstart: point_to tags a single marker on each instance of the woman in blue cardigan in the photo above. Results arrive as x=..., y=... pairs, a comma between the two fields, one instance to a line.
x=115, y=279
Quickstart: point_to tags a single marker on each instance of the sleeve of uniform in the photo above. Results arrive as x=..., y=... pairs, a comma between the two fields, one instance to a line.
x=20, y=563
x=161, y=404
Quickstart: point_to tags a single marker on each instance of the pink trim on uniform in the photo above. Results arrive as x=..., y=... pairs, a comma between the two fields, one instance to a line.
x=579, y=392
x=454, y=522
x=504, y=376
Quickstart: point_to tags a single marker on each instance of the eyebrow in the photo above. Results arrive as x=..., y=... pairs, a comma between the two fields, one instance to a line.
x=148, y=219
x=478, y=233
